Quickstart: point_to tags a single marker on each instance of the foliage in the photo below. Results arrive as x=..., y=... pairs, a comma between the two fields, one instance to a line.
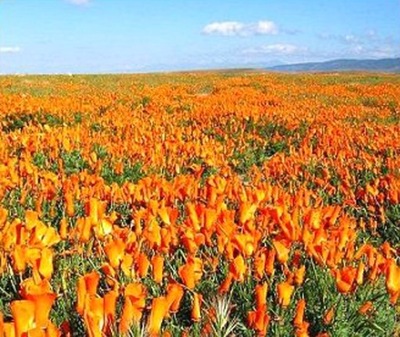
x=200, y=204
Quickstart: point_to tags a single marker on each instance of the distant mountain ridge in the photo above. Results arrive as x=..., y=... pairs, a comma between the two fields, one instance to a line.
x=384, y=65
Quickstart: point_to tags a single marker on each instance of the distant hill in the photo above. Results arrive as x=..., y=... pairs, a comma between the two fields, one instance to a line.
x=384, y=65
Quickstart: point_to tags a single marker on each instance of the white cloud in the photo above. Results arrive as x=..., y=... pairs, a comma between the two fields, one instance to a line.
x=357, y=49
x=227, y=28
x=264, y=28
x=353, y=39
x=10, y=50
x=350, y=38
x=366, y=45
x=79, y=2
x=279, y=49
x=384, y=51
x=236, y=28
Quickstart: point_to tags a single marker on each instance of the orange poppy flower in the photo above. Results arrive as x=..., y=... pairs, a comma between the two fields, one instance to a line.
x=126, y=265
x=64, y=228
x=81, y=298
x=23, y=312
x=302, y=330
x=43, y=304
x=366, y=307
x=193, y=216
x=285, y=290
x=210, y=218
x=360, y=273
x=269, y=263
x=299, y=275
x=246, y=211
x=387, y=250
x=345, y=279
x=9, y=329
x=259, y=320
x=69, y=204
x=94, y=316
x=282, y=251
x=158, y=267
x=3, y=216
x=313, y=218
x=110, y=302
x=261, y=291
x=115, y=250
x=83, y=228
x=31, y=219
x=135, y=300
x=109, y=272
x=245, y=243
x=104, y=227
x=299, y=316
x=163, y=212
x=1, y=314
x=159, y=309
x=87, y=285
x=50, y=236
x=191, y=272
x=393, y=280
x=329, y=315
x=196, y=311
x=53, y=331
x=259, y=264
x=152, y=233
x=130, y=314
x=30, y=287
x=46, y=263
x=334, y=215
x=143, y=265
x=91, y=282
x=238, y=268
x=174, y=296
x=19, y=258
x=94, y=211
x=226, y=284
x=36, y=332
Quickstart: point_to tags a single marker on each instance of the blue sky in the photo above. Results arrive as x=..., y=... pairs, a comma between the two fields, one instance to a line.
x=91, y=36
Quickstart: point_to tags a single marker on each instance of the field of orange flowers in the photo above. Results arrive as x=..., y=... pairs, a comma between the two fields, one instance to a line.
x=200, y=204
